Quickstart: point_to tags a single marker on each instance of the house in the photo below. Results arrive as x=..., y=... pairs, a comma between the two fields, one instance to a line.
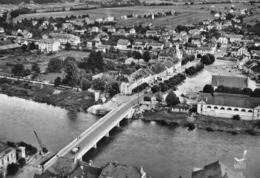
x=223, y=40
x=111, y=29
x=95, y=29
x=118, y=170
x=132, y=31
x=7, y=156
x=122, y=44
x=49, y=45
x=217, y=170
x=191, y=50
x=229, y=81
x=182, y=107
x=8, y=45
x=151, y=33
x=138, y=44
x=243, y=51
x=68, y=26
x=233, y=38
x=205, y=50
x=2, y=30
x=154, y=46
x=66, y=38
x=109, y=19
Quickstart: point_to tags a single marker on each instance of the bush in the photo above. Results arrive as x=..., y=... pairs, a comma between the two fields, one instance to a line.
x=251, y=132
x=208, y=59
x=29, y=149
x=22, y=162
x=236, y=117
x=147, y=98
x=12, y=169
x=208, y=89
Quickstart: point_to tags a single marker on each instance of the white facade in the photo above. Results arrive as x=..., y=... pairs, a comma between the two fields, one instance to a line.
x=228, y=111
x=49, y=45
x=223, y=41
x=7, y=156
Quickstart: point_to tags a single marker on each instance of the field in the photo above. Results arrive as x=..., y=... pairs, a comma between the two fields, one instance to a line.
x=189, y=13
x=253, y=19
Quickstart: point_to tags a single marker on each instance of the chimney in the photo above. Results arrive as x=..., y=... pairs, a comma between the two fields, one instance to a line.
x=206, y=99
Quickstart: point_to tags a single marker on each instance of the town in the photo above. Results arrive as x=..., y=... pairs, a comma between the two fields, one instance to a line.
x=148, y=63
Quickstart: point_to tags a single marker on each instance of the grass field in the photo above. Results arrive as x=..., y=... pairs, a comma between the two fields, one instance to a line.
x=195, y=11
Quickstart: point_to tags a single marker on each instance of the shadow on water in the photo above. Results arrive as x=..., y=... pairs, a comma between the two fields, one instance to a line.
x=105, y=141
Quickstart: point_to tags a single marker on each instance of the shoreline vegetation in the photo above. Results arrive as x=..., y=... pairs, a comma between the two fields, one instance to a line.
x=209, y=123
x=70, y=100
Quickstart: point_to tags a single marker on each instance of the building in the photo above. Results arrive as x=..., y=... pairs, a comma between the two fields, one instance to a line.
x=216, y=170
x=205, y=50
x=227, y=105
x=151, y=33
x=49, y=45
x=2, y=30
x=182, y=107
x=223, y=40
x=66, y=38
x=122, y=44
x=118, y=170
x=7, y=156
x=229, y=81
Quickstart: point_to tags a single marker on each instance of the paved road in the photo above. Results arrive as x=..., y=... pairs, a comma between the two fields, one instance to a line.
x=93, y=133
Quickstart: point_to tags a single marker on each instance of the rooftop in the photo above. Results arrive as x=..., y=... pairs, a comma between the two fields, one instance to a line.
x=229, y=81
x=216, y=169
x=120, y=171
x=228, y=99
x=4, y=149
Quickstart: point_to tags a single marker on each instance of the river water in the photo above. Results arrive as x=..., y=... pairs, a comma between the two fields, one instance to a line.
x=162, y=151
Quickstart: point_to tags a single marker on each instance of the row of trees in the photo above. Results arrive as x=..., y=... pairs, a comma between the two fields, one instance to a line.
x=224, y=89
x=19, y=70
x=187, y=58
x=208, y=59
x=194, y=69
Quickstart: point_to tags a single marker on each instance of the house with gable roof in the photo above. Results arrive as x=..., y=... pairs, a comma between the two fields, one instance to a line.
x=122, y=44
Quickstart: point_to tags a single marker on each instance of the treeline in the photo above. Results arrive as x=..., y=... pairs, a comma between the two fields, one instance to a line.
x=232, y=90
x=194, y=69
x=82, y=8
x=27, y=1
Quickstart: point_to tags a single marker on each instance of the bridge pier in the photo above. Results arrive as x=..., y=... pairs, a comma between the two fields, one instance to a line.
x=118, y=124
x=95, y=146
x=107, y=135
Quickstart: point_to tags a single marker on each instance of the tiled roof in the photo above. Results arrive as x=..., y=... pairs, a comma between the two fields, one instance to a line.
x=228, y=99
x=158, y=68
x=216, y=169
x=10, y=46
x=123, y=42
x=229, y=81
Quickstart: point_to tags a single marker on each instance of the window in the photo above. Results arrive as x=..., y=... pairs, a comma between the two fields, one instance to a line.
x=215, y=107
x=229, y=109
x=250, y=111
x=222, y=108
x=209, y=107
x=236, y=109
x=243, y=110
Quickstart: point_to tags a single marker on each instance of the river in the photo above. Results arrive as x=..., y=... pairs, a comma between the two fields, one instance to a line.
x=162, y=151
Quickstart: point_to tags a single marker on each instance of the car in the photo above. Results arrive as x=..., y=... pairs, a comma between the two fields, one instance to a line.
x=75, y=150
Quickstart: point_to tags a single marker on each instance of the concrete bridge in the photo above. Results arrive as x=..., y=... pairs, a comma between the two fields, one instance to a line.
x=89, y=138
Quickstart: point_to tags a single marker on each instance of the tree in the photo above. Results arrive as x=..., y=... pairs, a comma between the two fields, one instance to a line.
x=155, y=88
x=256, y=93
x=137, y=55
x=12, y=169
x=57, y=82
x=22, y=162
x=172, y=99
x=35, y=68
x=212, y=58
x=32, y=46
x=54, y=65
x=205, y=60
x=24, y=47
x=69, y=58
x=98, y=84
x=146, y=56
x=18, y=70
x=112, y=88
x=85, y=84
x=208, y=89
x=67, y=46
x=71, y=73
x=247, y=91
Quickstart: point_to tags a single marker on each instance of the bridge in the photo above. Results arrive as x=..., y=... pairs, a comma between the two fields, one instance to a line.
x=89, y=138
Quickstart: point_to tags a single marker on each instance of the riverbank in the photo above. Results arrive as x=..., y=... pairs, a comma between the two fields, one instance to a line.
x=173, y=119
x=71, y=100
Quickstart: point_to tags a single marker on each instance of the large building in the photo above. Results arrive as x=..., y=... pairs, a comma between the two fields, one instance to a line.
x=66, y=38
x=229, y=81
x=49, y=45
x=227, y=105
x=7, y=156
